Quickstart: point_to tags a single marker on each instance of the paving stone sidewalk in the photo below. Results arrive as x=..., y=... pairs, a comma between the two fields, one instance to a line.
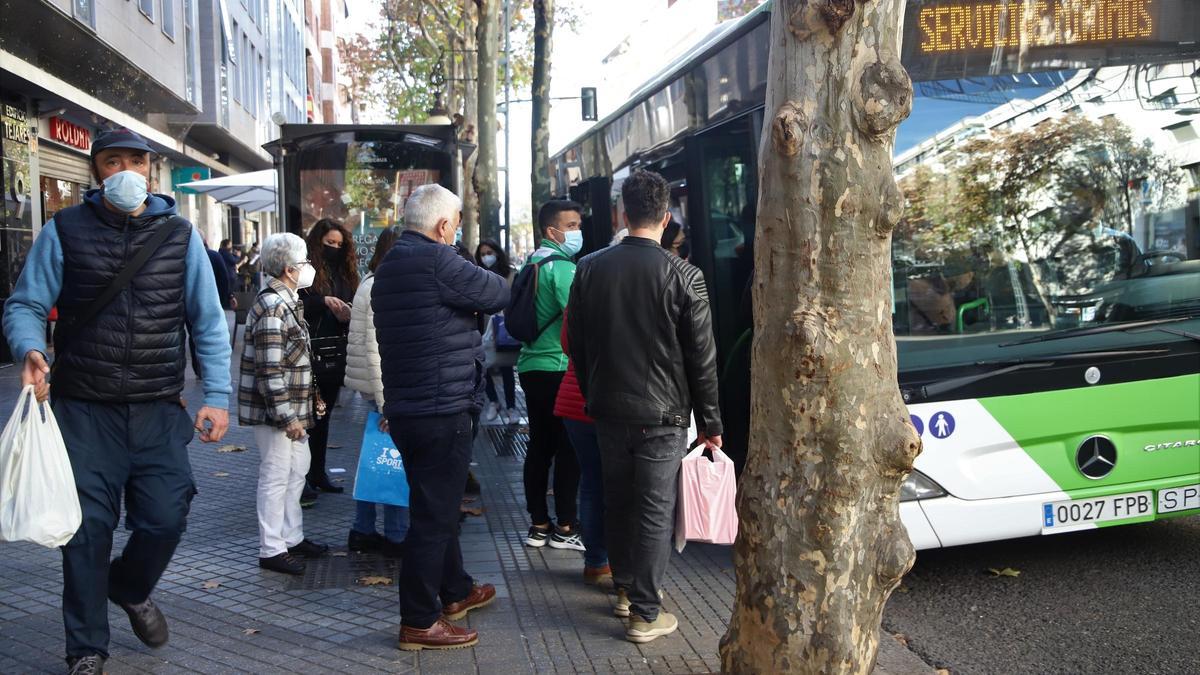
x=226, y=615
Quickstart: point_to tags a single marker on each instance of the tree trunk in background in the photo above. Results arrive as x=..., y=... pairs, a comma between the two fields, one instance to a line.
x=821, y=545
x=468, y=133
x=543, y=34
x=484, y=180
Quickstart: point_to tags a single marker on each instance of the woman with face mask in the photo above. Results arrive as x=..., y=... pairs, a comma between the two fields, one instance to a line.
x=277, y=398
x=327, y=309
x=501, y=354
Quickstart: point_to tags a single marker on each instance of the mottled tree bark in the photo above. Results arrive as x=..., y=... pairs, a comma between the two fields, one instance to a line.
x=469, y=130
x=484, y=179
x=543, y=32
x=821, y=545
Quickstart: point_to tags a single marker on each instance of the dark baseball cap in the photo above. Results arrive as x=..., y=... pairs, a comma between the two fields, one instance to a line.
x=119, y=138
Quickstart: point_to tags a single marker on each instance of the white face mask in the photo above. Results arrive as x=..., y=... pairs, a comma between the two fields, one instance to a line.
x=307, y=274
x=489, y=260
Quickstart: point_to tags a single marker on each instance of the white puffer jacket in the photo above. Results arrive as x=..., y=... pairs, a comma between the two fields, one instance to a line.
x=363, y=373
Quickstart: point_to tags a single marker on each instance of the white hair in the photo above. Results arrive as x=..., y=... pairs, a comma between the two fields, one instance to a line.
x=281, y=251
x=427, y=205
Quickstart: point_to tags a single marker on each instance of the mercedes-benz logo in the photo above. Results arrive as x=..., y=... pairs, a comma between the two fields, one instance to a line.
x=1096, y=457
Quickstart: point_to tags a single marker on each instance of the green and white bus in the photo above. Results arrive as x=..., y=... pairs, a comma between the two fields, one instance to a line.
x=1046, y=294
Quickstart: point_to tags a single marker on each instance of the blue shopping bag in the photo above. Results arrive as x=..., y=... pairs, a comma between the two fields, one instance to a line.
x=380, y=478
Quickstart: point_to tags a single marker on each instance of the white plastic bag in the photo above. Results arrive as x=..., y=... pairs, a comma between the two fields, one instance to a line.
x=38, y=500
x=707, y=508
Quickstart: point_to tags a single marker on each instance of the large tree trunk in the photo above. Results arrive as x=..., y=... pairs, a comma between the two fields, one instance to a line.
x=821, y=545
x=543, y=32
x=484, y=180
x=469, y=87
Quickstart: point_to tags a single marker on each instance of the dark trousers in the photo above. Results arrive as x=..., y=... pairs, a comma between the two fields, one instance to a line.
x=641, y=485
x=437, y=453
x=510, y=386
x=591, y=491
x=135, y=451
x=318, y=436
x=548, y=444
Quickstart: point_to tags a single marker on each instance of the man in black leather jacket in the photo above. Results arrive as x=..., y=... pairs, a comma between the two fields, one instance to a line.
x=642, y=343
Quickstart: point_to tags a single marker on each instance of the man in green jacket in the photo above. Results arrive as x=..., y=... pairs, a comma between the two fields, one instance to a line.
x=541, y=367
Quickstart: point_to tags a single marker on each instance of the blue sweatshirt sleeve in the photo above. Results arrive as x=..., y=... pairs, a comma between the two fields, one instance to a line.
x=207, y=320
x=37, y=289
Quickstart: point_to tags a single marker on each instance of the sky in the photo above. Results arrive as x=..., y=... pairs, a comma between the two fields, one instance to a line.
x=576, y=62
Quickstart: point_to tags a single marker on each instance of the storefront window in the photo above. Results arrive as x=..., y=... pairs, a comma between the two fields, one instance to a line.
x=58, y=195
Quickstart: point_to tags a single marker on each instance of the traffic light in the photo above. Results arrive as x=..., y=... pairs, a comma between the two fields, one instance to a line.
x=587, y=96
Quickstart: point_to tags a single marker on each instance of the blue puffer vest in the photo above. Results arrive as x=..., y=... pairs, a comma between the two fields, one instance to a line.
x=133, y=351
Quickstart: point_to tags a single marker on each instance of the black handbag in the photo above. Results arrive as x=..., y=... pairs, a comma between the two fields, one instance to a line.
x=328, y=354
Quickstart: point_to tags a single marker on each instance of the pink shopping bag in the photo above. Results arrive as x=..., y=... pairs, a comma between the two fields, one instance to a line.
x=707, y=510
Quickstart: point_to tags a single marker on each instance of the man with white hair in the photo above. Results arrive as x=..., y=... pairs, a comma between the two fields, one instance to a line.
x=425, y=300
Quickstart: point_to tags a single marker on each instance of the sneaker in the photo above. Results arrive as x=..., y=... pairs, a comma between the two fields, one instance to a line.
x=308, y=497
x=359, y=542
x=441, y=635
x=567, y=541
x=92, y=664
x=308, y=548
x=283, y=563
x=641, y=631
x=537, y=537
x=490, y=414
x=621, y=609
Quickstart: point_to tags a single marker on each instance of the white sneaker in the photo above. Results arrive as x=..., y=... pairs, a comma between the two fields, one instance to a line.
x=567, y=542
x=490, y=414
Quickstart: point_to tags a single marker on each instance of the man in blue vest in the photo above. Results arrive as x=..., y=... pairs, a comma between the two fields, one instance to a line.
x=117, y=382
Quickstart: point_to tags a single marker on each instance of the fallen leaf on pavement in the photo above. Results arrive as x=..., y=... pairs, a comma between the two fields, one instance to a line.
x=211, y=584
x=251, y=631
x=375, y=581
x=473, y=510
x=942, y=671
x=221, y=474
x=902, y=589
x=901, y=638
x=229, y=447
x=1006, y=572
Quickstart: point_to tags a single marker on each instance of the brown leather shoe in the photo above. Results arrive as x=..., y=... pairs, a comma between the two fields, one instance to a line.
x=481, y=595
x=441, y=635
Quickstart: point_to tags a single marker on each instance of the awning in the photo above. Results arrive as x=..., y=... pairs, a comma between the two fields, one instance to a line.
x=254, y=191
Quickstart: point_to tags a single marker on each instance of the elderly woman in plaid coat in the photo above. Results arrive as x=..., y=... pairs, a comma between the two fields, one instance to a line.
x=277, y=398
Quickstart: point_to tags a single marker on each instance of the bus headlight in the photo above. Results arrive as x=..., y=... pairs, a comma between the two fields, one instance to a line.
x=919, y=486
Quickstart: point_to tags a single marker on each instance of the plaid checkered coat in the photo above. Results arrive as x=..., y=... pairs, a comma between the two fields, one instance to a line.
x=276, y=385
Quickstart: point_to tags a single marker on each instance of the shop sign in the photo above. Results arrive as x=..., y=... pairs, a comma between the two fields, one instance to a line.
x=16, y=126
x=188, y=174
x=70, y=134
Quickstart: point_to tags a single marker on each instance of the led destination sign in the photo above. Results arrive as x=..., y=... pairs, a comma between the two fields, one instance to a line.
x=965, y=25
x=950, y=39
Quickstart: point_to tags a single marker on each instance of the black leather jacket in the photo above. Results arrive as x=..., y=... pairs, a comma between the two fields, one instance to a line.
x=641, y=337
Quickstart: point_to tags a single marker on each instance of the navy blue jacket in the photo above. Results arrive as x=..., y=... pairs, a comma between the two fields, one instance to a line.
x=425, y=300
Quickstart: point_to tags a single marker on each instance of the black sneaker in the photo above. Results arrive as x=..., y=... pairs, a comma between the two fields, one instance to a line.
x=308, y=497
x=308, y=548
x=283, y=563
x=537, y=537
x=359, y=542
x=473, y=487
x=568, y=541
x=92, y=664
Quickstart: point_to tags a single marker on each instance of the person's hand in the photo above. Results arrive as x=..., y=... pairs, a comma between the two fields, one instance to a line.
x=212, y=423
x=340, y=309
x=34, y=373
x=295, y=431
x=233, y=302
x=383, y=425
x=710, y=442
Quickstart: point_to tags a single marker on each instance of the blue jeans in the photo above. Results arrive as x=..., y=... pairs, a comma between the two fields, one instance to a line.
x=591, y=491
x=395, y=520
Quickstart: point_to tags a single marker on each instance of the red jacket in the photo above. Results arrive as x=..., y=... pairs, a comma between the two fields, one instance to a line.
x=569, y=404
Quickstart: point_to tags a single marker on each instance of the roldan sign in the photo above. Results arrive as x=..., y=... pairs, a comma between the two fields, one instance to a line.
x=71, y=134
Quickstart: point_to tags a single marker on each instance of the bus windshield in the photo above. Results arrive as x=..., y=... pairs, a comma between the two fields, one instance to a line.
x=1073, y=208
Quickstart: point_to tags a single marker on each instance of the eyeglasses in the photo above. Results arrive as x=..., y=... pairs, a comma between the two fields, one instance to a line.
x=298, y=263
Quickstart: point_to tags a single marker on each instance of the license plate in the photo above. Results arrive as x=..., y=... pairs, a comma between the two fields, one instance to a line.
x=1078, y=514
x=1183, y=498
